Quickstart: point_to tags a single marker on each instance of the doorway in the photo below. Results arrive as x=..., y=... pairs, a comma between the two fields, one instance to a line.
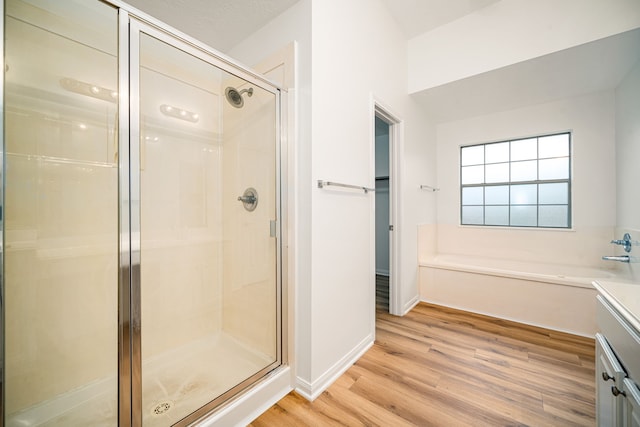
x=383, y=220
x=386, y=138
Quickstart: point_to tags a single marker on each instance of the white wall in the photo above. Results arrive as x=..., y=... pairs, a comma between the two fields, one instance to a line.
x=358, y=50
x=627, y=159
x=591, y=118
x=335, y=286
x=512, y=31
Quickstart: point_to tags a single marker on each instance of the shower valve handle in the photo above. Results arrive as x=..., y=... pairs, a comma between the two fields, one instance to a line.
x=251, y=199
x=625, y=242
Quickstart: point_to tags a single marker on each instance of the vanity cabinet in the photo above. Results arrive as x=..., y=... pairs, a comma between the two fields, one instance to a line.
x=609, y=374
x=632, y=405
x=617, y=368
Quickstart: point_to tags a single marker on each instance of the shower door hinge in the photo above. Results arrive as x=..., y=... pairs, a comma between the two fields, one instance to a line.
x=273, y=228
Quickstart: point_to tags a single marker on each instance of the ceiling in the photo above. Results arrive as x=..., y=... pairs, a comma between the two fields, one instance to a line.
x=587, y=68
x=419, y=16
x=224, y=23
x=595, y=66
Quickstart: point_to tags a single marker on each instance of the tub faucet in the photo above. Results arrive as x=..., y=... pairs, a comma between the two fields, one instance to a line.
x=622, y=258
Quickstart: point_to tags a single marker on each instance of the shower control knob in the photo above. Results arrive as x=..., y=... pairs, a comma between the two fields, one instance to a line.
x=625, y=242
x=249, y=199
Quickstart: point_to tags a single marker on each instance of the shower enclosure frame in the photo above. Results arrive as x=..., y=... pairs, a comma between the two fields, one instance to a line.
x=131, y=23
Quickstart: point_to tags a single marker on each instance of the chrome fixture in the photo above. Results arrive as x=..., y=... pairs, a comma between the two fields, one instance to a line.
x=621, y=258
x=322, y=184
x=249, y=199
x=88, y=89
x=179, y=113
x=625, y=242
x=235, y=97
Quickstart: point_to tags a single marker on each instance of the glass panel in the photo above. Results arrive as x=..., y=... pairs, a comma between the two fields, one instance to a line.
x=497, y=153
x=208, y=270
x=61, y=214
x=496, y=215
x=472, y=215
x=554, y=194
x=497, y=172
x=498, y=195
x=524, y=216
x=524, y=149
x=554, y=169
x=472, y=155
x=472, y=174
x=524, y=194
x=554, y=146
x=553, y=216
x=472, y=196
x=524, y=171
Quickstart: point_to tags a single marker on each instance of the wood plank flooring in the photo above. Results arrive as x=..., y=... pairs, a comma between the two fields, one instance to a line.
x=382, y=292
x=442, y=367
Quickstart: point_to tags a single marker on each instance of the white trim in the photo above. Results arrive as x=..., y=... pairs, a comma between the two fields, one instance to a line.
x=311, y=391
x=409, y=305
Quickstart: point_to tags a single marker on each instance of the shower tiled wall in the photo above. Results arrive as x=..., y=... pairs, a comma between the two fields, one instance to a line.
x=60, y=254
x=249, y=312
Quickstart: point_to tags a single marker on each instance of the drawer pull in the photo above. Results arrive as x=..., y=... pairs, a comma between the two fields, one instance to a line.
x=616, y=392
x=607, y=377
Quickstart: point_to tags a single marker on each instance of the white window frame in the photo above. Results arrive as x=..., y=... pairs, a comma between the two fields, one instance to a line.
x=509, y=183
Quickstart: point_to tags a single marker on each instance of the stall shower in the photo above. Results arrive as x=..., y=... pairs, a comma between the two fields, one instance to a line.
x=139, y=287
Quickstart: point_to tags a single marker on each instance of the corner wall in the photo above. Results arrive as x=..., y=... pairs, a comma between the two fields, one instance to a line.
x=627, y=170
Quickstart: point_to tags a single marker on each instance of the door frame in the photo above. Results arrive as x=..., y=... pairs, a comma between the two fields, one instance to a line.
x=380, y=110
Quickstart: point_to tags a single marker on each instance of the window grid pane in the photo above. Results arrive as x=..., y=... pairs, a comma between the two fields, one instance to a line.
x=517, y=183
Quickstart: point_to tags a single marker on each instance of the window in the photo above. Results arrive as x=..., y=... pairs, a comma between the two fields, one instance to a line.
x=517, y=183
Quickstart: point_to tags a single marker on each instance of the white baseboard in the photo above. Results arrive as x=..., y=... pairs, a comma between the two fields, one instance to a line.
x=410, y=304
x=311, y=391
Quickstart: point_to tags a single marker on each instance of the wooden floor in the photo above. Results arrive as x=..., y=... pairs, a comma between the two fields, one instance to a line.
x=442, y=367
x=382, y=292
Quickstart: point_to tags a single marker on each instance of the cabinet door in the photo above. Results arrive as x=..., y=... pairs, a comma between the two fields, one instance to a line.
x=632, y=405
x=609, y=374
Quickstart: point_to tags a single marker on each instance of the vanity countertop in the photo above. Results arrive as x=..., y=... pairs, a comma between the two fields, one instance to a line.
x=625, y=297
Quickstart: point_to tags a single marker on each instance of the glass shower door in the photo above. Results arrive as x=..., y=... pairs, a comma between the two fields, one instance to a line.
x=60, y=214
x=208, y=236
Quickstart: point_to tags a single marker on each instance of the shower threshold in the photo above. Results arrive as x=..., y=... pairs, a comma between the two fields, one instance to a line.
x=179, y=382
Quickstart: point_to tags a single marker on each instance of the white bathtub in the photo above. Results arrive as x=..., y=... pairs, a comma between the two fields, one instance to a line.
x=552, y=296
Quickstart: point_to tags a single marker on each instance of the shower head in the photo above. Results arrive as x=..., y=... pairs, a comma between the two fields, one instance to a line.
x=235, y=97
